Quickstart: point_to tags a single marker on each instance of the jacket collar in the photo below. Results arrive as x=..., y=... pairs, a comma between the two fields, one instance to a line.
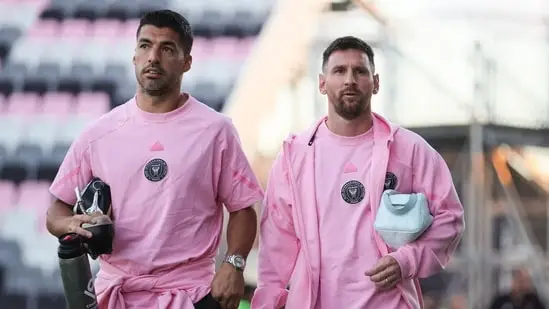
x=383, y=129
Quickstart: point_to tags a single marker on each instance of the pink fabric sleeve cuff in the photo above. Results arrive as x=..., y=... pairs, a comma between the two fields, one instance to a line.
x=402, y=258
x=66, y=196
x=269, y=298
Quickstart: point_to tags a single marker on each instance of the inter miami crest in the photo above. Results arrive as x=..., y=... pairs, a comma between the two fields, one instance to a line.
x=391, y=181
x=353, y=192
x=156, y=170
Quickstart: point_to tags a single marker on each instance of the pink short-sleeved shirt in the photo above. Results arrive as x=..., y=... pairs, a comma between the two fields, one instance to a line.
x=169, y=175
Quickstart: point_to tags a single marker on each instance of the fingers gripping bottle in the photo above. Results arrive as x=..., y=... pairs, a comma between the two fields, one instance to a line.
x=73, y=249
x=76, y=273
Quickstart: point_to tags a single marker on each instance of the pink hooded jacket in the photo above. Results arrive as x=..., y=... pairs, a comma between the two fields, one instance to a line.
x=289, y=250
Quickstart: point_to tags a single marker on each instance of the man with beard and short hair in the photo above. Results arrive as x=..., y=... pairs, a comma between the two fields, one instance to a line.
x=323, y=194
x=172, y=163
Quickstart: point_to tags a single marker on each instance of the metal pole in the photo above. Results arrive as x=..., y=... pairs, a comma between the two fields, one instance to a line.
x=474, y=214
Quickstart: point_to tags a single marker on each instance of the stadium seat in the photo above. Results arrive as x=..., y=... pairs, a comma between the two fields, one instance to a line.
x=41, y=131
x=51, y=299
x=17, y=224
x=49, y=70
x=89, y=10
x=106, y=28
x=34, y=195
x=10, y=252
x=44, y=28
x=55, y=51
x=8, y=194
x=77, y=29
x=57, y=105
x=2, y=104
x=11, y=131
x=107, y=84
x=8, y=35
x=24, y=280
x=8, y=83
x=210, y=24
x=224, y=48
x=92, y=105
x=28, y=50
x=30, y=154
x=145, y=6
x=123, y=94
x=14, y=170
x=22, y=104
x=3, y=154
x=58, y=9
x=74, y=84
x=41, y=253
x=118, y=72
x=16, y=69
x=37, y=84
x=122, y=10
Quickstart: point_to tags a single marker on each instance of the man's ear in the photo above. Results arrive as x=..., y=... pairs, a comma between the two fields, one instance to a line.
x=188, y=63
x=376, y=84
x=322, y=83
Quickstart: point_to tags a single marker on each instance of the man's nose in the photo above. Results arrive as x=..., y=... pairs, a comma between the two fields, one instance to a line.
x=350, y=78
x=154, y=56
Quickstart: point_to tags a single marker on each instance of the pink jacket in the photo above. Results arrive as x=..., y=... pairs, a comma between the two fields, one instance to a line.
x=289, y=250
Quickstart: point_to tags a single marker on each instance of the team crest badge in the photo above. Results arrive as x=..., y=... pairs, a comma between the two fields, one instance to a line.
x=391, y=181
x=155, y=170
x=353, y=192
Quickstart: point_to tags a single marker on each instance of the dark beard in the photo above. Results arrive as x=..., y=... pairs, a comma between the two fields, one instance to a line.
x=350, y=112
x=158, y=88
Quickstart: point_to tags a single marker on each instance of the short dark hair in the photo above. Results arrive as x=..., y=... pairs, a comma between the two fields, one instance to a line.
x=172, y=20
x=345, y=43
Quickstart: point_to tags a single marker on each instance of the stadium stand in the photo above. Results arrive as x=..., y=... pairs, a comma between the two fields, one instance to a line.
x=64, y=63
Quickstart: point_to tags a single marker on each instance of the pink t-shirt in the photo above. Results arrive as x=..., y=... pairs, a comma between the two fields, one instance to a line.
x=344, y=213
x=169, y=175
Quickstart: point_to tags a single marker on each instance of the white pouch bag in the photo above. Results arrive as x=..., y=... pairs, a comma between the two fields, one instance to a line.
x=402, y=218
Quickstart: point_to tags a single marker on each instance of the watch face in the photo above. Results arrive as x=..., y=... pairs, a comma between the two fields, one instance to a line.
x=239, y=262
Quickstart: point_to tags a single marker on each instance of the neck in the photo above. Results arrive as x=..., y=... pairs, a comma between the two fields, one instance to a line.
x=160, y=104
x=344, y=127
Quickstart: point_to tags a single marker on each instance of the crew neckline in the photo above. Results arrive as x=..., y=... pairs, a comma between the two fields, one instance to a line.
x=346, y=140
x=163, y=117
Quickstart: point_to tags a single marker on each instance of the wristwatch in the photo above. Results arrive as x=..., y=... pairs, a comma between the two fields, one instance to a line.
x=238, y=261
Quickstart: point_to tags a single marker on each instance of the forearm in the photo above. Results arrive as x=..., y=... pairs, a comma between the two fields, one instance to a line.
x=57, y=216
x=431, y=253
x=241, y=231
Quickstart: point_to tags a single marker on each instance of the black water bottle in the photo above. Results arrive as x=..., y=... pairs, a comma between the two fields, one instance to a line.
x=76, y=273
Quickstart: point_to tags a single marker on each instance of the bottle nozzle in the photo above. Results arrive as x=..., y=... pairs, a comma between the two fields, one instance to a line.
x=78, y=205
x=95, y=204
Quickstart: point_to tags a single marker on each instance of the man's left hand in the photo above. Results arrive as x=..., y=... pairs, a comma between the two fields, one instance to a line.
x=386, y=273
x=228, y=286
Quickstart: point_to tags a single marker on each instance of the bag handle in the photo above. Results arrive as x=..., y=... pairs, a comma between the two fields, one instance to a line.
x=398, y=210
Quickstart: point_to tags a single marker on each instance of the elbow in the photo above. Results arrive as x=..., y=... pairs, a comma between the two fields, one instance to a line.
x=50, y=223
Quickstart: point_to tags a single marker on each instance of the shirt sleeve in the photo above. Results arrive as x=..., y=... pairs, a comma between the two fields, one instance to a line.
x=238, y=187
x=75, y=171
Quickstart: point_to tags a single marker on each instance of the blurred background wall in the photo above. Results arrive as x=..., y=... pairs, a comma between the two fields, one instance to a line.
x=470, y=76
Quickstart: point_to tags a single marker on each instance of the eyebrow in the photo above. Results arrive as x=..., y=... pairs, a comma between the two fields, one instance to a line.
x=341, y=66
x=169, y=43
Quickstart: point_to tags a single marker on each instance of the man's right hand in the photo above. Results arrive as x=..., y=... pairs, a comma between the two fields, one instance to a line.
x=74, y=225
